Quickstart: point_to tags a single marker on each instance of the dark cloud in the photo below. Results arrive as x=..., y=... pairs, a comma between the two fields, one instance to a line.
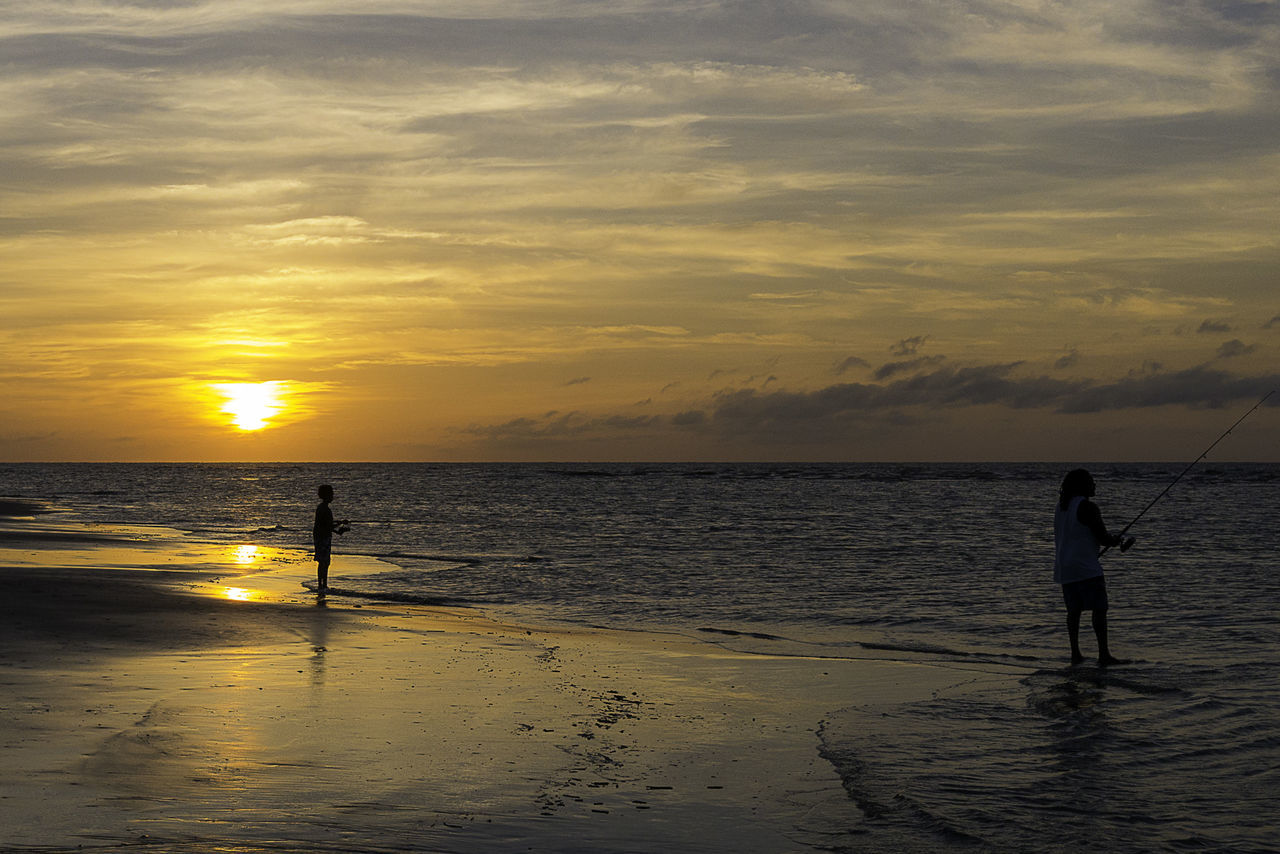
x=578, y=381
x=1273, y=323
x=691, y=418
x=1199, y=387
x=1214, y=326
x=838, y=410
x=951, y=386
x=850, y=363
x=908, y=346
x=1235, y=347
x=556, y=425
x=888, y=369
x=748, y=411
x=1070, y=360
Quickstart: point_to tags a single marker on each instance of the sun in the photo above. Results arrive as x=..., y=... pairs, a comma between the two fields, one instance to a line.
x=252, y=405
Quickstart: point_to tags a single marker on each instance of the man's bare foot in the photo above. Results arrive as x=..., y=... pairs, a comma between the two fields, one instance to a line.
x=1077, y=658
x=1105, y=660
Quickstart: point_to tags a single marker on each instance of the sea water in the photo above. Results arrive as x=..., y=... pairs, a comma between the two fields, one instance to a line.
x=949, y=564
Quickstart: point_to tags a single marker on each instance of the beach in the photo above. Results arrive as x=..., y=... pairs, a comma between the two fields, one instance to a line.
x=147, y=702
x=629, y=658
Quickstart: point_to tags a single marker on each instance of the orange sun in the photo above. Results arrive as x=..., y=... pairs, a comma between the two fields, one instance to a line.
x=252, y=405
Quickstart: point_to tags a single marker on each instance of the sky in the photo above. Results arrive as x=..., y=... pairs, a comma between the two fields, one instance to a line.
x=828, y=230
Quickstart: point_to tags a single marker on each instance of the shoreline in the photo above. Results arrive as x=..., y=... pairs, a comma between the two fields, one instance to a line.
x=152, y=706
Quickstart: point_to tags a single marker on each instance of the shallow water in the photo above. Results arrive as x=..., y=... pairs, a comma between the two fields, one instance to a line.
x=1140, y=758
x=948, y=563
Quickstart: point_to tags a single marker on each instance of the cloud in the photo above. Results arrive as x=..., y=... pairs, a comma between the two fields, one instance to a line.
x=952, y=386
x=1198, y=387
x=841, y=412
x=908, y=346
x=578, y=381
x=819, y=412
x=888, y=369
x=848, y=364
x=1273, y=323
x=555, y=425
x=1070, y=360
x=689, y=418
x=1235, y=347
x=1214, y=326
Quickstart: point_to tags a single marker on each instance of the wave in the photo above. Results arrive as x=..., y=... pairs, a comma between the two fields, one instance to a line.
x=36, y=537
x=399, y=598
x=453, y=561
x=1159, y=757
x=735, y=633
x=936, y=649
x=899, y=819
x=16, y=508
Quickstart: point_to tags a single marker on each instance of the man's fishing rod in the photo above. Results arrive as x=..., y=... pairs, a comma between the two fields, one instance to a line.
x=1187, y=469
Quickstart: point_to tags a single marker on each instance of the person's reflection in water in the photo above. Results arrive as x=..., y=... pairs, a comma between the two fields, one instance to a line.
x=318, y=637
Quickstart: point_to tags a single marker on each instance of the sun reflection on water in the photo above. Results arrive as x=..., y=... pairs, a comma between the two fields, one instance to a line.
x=245, y=555
x=239, y=594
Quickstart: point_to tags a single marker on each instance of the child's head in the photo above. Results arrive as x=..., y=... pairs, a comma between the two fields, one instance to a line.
x=325, y=492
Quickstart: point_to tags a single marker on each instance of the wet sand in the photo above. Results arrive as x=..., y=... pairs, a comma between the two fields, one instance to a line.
x=149, y=706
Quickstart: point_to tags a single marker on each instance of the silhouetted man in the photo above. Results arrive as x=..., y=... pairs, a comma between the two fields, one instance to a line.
x=1078, y=535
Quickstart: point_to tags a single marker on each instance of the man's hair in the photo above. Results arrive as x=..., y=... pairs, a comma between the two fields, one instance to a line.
x=325, y=489
x=1075, y=483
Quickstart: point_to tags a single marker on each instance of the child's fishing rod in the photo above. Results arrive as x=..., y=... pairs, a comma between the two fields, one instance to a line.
x=1187, y=469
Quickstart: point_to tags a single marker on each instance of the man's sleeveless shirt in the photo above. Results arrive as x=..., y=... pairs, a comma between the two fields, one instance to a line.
x=1075, y=556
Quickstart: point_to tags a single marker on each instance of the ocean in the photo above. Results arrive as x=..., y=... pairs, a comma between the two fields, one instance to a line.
x=942, y=563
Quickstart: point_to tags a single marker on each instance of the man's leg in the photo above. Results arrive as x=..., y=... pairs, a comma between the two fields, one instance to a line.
x=322, y=574
x=1100, y=629
x=1073, y=632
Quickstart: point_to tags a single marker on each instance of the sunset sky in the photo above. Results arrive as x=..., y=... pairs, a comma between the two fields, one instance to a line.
x=638, y=229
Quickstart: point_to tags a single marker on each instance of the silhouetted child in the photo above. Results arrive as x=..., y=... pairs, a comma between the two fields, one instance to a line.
x=1078, y=535
x=322, y=534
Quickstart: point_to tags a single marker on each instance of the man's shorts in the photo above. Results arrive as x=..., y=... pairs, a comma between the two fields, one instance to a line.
x=323, y=550
x=1087, y=595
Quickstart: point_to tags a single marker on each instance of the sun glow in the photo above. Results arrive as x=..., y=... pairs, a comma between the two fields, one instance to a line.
x=245, y=555
x=252, y=405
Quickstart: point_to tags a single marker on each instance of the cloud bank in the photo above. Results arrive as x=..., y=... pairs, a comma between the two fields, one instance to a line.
x=845, y=410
